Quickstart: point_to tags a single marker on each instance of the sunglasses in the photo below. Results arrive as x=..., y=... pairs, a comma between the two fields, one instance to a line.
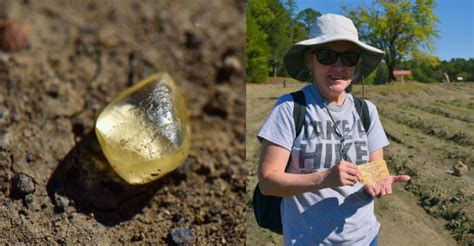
x=329, y=57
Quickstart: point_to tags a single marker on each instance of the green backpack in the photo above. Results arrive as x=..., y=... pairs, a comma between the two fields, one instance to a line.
x=267, y=208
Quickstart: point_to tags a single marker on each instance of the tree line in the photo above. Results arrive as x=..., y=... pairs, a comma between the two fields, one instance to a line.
x=404, y=29
x=272, y=27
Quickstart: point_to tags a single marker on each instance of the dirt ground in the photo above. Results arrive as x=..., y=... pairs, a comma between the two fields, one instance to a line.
x=81, y=55
x=430, y=128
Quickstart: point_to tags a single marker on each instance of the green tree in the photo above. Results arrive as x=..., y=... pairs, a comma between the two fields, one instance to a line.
x=458, y=67
x=258, y=51
x=283, y=32
x=399, y=27
x=280, y=34
x=307, y=17
x=272, y=27
x=381, y=75
x=290, y=6
x=424, y=66
x=299, y=33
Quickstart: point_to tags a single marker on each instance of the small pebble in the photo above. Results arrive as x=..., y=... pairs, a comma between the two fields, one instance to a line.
x=78, y=128
x=138, y=237
x=29, y=158
x=23, y=211
x=3, y=111
x=233, y=63
x=62, y=203
x=5, y=139
x=30, y=201
x=231, y=66
x=22, y=185
x=192, y=40
x=14, y=35
x=71, y=216
x=460, y=169
x=4, y=184
x=181, y=235
x=185, y=168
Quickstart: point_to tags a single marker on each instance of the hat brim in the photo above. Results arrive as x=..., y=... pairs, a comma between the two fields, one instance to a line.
x=295, y=61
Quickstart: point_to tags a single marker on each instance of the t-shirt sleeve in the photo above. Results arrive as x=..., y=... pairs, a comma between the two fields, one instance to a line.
x=376, y=136
x=279, y=127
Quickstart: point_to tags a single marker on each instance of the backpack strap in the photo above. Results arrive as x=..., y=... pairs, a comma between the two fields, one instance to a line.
x=299, y=110
x=363, y=111
x=267, y=208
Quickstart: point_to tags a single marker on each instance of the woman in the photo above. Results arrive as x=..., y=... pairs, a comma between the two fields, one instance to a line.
x=323, y=200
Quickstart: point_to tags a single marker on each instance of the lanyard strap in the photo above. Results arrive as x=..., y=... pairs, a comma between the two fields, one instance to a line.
x=339, y=134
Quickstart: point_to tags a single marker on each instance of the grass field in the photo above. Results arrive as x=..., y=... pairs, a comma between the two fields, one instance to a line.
x=430, y=128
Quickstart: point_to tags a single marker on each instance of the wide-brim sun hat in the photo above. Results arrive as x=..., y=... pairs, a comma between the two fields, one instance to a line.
x=330, y=28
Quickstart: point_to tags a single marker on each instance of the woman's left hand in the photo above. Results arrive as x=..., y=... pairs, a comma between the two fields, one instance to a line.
x=383, y=187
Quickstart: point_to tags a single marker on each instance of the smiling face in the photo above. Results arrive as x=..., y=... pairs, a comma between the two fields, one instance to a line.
x=333, y=79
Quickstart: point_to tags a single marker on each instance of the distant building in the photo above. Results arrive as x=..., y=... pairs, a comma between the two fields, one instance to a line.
x=459, y=78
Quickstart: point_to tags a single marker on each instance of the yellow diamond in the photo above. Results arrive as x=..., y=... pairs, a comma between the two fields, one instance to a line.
x=144, y=132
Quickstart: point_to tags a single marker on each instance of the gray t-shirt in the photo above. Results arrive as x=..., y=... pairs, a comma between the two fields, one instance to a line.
x=338, y=216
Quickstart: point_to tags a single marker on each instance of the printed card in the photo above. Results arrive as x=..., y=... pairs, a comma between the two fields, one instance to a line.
x=373, y=171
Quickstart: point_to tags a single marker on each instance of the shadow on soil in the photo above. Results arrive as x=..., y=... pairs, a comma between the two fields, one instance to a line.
x=84, y=180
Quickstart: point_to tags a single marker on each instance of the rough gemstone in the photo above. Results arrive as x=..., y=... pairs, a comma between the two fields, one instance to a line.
x=144, y=133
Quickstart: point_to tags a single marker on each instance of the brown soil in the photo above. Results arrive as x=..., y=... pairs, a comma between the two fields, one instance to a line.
x=83, y=53
x=430, y=128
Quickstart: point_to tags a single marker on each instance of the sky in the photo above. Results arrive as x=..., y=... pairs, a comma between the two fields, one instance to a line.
x=456, y=23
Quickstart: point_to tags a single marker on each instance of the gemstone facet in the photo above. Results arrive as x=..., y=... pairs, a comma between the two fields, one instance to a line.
x=144, y=133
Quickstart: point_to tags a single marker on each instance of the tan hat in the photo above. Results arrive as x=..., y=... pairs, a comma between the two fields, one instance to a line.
x=329, y=28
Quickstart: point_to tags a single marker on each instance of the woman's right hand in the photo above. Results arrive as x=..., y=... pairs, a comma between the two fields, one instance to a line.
x=344, y=173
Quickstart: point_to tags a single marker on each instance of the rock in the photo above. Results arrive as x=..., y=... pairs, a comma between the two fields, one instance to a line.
x=13, y=35
x=21, y=186
x=231, y=66
x=29, y=158
x=4, y=183
x=192, y=40
x=23, y=212
x=5, y=139
x=78, y=128
x=221, y=103
x=232, y=62
x=4, y=113
x=138, y=237
x=185, y=169
x=460, y=169
x=61, y=203
x=31, y=202
x=181, y=235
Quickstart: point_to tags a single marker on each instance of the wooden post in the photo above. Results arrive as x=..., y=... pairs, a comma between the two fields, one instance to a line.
x=363, y=88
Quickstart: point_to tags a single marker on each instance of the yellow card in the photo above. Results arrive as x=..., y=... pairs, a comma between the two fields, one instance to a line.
x=373, y=171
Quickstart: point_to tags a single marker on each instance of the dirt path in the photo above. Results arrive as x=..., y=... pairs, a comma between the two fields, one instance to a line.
x=404, y=222
x=426, y=140
x=53, y=189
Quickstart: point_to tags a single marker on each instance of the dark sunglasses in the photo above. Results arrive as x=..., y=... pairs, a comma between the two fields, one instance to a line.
x=329, y=57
